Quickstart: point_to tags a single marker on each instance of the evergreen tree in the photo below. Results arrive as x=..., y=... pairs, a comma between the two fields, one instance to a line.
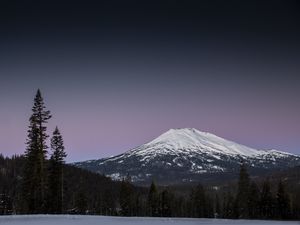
x=283, y=203
x=109, y=205
x=253, y=202
x=126, y=198
x=267, y=202
x=295, y=202
x=153, y=200
x=242, y=198
x=199, y=202
x=81, y=203
x=34, y=176
x=217, y=207
x=56, y=180
x=228, y=206
x=137, y=206
x=6, y=207
x=165, y=203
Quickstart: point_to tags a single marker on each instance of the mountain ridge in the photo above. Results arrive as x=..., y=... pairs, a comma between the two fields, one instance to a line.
x=187, y=155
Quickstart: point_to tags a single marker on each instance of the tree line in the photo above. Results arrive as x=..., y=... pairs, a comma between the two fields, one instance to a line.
x=254, y=202
x=244, y=200
x=35, y=183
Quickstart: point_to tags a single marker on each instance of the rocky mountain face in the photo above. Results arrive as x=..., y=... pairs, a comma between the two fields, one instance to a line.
x=188, y=155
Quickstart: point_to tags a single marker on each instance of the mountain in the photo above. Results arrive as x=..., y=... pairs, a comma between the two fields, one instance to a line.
x=188, y=155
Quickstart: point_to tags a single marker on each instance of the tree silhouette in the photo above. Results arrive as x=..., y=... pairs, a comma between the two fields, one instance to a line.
x=34, y=177
x=283, y=207
x=242, y=198
x=56, y=178
x=153, y=200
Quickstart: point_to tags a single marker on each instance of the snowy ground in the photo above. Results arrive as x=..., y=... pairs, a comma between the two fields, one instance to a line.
x=103, y=220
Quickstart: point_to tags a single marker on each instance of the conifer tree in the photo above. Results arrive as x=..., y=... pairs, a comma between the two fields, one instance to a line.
x=283, y=202
x=217, y=207
x=55, y=180
x=126, y=198
x=34, y=176
x=81, y=202
x=242, y=198
x=165, y=203
x=253, y=202
x=153, y=200
x=228, y=206
x=199, y=202
x=295, y=202
x=267, y=201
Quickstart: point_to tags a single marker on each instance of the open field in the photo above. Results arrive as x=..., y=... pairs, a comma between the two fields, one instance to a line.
x=103, y=220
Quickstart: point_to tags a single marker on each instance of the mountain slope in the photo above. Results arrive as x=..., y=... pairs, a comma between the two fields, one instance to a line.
x=188, y=155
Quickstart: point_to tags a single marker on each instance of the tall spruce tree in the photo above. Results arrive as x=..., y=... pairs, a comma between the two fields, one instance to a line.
x=253, y=202
x=283, y=208
x=228, y=206
x=217, y=207
x=152, y=203
x=55, y=180
x=165, y=203
x=81, y=202
x=126, y=198
x=267, y=206
x=200, y=204
x=242, y=198
x=34, y=177
x=295, y=202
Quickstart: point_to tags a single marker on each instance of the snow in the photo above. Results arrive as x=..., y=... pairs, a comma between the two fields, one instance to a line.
x=200, y=171
x=115, y=176
x=187, y=141
x=105, y=220
x=184, y=142
x=189, y=147
x=218, y=168
x=190, y=138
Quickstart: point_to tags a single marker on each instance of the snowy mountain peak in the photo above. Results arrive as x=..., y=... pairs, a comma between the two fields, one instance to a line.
x=193, y=139
x=188, y=155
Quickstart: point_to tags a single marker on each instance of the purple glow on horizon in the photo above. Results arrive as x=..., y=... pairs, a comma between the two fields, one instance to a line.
x=94, y=128
x=107, y=98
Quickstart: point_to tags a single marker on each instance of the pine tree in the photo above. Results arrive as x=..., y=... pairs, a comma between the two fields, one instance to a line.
x=253, y=202
x=217, y=207
x=81, y=202
x=242, y=198
x=199, y=202
x=267, y=202
x=34, y=176
x=55, y=180
x=5, y=204
x=283, y=203
x=295, y=202
x=153, y=200
x=228, y=206
x=165, y=203
x=126, y=198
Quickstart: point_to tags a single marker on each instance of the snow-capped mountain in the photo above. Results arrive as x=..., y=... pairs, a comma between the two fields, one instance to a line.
x=188, y=155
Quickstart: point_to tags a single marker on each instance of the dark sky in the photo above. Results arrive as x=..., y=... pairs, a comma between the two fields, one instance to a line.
x=116, y=74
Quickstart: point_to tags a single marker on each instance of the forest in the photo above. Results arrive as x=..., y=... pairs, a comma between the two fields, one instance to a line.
x=40, y=182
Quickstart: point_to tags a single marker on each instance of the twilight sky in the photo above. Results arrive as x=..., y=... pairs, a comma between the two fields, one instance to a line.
x=116, y=74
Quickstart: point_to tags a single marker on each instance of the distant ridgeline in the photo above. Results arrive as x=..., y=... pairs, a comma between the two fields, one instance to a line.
x=36, y=183
x=186, y=156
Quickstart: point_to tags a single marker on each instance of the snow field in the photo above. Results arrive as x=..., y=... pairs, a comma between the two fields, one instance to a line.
x=105, y=220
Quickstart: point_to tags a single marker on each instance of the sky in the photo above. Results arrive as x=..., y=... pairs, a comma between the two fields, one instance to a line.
x=116, y=74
